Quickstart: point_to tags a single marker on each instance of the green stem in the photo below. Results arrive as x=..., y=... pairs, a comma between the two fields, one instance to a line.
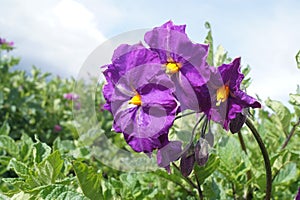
x=199, y=187
x=290, y=135
x=183, y=115
x=248, y=173
x=185, y=178
x=266, y=158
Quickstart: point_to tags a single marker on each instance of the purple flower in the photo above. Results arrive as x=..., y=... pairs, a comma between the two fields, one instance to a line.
x=140, y=98
x=77, y=106
x=57, y=128
x=71, y=96
x=125, y=57
x=3, y=41
x=183, y=61
x=227, y=99
x=169, y=153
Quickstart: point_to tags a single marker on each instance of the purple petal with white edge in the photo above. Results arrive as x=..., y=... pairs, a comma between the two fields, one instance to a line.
x=168, y=153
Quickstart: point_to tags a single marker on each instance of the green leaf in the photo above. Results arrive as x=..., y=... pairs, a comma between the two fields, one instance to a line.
x=89, y=180
x=295, y=99
x=298, y=59
x=26, y=145
x=59, y=192
x=21, y=196
x=229, y=151
x=3, y=197
x=204, y=172
x=286, y=174
x=20, y=168
x=4, y=161
x=220, y=56
x=89, y=138
x=283, y=115
x=16, y=182
x=209, y=40
x=9, y=145
x=40, y=151
x=49, y=169
x=173, y=177
x=5, y=128
x=211, y=190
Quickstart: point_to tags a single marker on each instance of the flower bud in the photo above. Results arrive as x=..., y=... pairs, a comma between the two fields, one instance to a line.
x=237, y=123
x=187, y=162
x=201, y=152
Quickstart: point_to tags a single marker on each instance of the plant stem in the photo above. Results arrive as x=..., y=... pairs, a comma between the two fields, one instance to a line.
x=199, y=187
x=233, y=191
x=183, y=115
x=290, y=135
x=265, y=156
x=248, y=173
x=185, y=178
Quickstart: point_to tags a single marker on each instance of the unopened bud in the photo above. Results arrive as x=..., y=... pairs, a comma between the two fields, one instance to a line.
x=187, y=162
x=201, y=152
x=237, y=123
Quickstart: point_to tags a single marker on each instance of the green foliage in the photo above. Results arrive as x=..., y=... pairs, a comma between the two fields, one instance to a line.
x=298, y=59
x=89, y=180
x=209, y=41
x=39, y=162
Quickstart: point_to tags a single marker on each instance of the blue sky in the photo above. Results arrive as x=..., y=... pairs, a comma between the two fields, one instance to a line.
x=58, y=36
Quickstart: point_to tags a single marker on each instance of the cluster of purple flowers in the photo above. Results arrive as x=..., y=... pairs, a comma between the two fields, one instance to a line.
x=4, y=42
x=147, y=87
x=73, y=97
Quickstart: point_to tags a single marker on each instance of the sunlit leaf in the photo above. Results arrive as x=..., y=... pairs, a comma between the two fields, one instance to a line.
x=49, y=169
x=20, y=168
x=298, y=59
x=282, y=113
x=205, y=171
x=209, y=40
x=40, y=151
x=220, y=56
x=89, y=180
x=286, y=174
x=5, y=128
x=9, y=145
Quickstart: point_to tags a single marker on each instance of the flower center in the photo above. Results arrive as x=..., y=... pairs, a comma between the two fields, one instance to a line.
x=172, y=67
x=222, y=94
x=136, y=100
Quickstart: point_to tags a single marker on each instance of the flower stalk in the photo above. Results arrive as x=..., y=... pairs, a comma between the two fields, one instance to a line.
x=265, y=156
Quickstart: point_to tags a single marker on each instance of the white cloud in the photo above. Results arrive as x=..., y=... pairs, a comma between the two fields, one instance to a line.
x=269, y=45
x=61, y=34
x=58, y=35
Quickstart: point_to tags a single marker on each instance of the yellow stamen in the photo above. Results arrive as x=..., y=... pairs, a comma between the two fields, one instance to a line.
x=222, y=94
x=136, y=100
x=172, y=67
